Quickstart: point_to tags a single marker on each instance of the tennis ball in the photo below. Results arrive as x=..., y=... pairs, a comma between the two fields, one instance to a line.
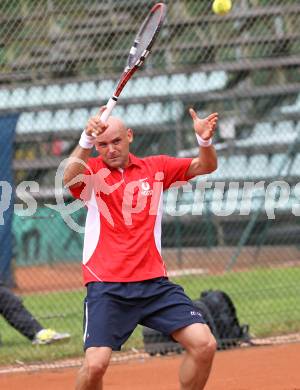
x=221, y=7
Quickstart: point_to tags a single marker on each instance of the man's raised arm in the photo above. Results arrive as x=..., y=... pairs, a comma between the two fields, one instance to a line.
x=76, y=163
x=206, y=161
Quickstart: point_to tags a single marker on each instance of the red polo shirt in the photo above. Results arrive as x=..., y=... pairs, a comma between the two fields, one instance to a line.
x=122, y=240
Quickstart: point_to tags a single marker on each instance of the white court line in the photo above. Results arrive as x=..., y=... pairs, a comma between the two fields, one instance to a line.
x=187, y=271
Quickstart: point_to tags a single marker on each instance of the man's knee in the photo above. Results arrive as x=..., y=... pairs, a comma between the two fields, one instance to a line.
x=199, y=342
x=95, y=370
x=95, y=365
x=204, y=348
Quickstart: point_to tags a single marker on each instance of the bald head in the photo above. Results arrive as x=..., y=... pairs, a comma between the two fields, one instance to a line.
x=116, y=122
x=115, y=125
x=113, y=143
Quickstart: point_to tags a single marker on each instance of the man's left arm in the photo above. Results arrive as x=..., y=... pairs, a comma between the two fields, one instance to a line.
x=206, y=161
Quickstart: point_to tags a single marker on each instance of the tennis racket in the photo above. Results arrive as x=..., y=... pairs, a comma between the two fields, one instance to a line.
x=138, y=53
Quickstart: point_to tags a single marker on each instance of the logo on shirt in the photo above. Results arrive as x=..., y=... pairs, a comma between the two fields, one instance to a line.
x=146, y=191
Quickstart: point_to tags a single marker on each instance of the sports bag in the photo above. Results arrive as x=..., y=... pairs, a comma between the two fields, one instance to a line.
x=221, y=316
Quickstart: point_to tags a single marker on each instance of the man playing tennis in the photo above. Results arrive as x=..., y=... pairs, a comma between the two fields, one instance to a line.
x=123, y=269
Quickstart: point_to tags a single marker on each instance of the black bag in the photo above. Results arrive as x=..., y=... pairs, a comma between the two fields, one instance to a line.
x=220, y=314
x=158, y=343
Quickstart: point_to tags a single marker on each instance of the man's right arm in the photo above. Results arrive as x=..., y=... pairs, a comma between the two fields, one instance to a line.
x=76, y=164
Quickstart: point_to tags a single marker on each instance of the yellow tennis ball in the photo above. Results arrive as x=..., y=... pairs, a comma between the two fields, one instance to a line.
x=221, y=7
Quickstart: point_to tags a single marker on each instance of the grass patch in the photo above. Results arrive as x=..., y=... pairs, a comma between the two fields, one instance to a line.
x=266, y=299
x=61, y=311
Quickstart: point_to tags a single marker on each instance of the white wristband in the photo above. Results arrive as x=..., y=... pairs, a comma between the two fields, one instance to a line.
x=205, y=143
x=86, y=141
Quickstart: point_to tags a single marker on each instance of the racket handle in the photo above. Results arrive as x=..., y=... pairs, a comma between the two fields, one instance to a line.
x=109, y=107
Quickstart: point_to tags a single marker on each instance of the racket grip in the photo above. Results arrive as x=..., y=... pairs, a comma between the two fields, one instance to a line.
x=109, y=107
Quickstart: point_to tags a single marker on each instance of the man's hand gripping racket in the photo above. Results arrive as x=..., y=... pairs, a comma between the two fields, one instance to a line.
x=138, y=53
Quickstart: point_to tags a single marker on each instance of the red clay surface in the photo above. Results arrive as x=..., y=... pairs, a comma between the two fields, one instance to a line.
x=255, y=368
x=66, y=276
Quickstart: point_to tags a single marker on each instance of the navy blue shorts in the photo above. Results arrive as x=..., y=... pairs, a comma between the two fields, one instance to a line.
x=113, y=310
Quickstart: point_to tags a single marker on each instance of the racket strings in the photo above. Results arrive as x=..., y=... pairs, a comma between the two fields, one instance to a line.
x=144, y=39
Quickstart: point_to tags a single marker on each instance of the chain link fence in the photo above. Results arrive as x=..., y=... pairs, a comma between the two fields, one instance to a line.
x=237, y=229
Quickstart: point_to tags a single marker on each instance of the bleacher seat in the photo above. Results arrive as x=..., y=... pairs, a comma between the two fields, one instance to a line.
x=160, y=86
x=105, y=89
x=52, y=94
x=284, y=131
x=69, y=92
x=134, y=113
x=119, y=111
x=263, y=131
x=172, y=111
x=35, y=95
x=257, y=167
x=25, y=123
x=94, y=111
x=236, y=167
x=154, y=113
x=87, y=91
x=217, y=80
x=267, y=133
x=278, y=165
x=197, y=82
x=141, y=86
x=78, y=118
x=60, y=120
x=232, y=167
x=4, y=98
x=178, y=83
x=42, y=121
x=17, y=98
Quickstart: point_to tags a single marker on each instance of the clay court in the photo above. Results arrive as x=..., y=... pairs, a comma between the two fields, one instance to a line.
x=253, y=368
x=68, y=276
x=275, y=366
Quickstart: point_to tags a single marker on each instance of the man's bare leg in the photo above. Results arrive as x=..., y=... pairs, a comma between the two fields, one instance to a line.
x=90, y=375
x=200, y=346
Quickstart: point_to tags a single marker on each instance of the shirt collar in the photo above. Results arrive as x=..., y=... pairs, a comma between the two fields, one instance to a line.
x=133, y=160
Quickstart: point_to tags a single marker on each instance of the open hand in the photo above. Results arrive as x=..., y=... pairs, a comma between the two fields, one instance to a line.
x=204, y=127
